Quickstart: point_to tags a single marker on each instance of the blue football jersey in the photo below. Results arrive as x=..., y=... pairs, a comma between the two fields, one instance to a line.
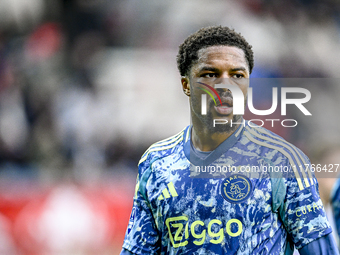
x=335, y=201
x=254, y=194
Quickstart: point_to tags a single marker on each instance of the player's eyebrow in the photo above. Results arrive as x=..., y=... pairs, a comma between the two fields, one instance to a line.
x=238, y=69
x=215, y=70
x=208, y=68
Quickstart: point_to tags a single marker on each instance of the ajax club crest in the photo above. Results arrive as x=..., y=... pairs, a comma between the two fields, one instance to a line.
x=236, y=188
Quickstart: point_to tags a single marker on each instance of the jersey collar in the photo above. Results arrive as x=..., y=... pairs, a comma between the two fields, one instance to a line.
x=196, y=160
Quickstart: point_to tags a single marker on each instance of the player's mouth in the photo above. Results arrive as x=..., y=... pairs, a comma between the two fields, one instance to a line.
x=226, y=107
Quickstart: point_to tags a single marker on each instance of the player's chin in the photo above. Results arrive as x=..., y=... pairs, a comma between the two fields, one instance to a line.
x=223, y=117
x=222, y=124
x=223, y=129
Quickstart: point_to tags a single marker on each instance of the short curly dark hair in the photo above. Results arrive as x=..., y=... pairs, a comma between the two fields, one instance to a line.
x=211, y=36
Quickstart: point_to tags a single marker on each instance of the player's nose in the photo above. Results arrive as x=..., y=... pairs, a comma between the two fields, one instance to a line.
x=223, y=80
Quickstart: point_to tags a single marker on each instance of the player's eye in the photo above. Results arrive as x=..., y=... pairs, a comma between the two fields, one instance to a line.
x=209, y=75
x=238, y=76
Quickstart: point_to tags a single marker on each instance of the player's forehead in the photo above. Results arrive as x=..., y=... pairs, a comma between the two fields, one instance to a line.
x=221, y=55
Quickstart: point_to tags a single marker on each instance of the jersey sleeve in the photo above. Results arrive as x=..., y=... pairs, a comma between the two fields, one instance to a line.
x=335, y=201
x=141, y=236
x=325, y=245
x=303, y=214
x=125, y=252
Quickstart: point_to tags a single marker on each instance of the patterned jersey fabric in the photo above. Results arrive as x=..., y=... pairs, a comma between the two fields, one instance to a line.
x=248, y=196
x=335, y=200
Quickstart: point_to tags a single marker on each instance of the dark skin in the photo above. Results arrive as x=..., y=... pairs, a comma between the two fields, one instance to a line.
x=221, y=64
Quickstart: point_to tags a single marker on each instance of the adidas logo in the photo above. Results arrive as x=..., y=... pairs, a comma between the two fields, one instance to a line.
x=166, y=193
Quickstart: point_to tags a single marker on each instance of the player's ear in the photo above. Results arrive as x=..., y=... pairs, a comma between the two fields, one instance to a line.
x=186, y=85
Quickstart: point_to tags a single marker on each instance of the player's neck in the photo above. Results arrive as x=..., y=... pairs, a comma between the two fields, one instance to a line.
x=205, y=140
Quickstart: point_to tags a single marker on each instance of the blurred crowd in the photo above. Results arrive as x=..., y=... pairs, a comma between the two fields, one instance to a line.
x=66, y=64
x=87, y=85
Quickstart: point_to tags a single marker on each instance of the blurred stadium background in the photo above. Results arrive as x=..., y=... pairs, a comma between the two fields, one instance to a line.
x=87, y=85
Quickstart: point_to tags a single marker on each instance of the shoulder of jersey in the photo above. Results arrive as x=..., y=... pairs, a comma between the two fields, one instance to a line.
x=267, y=139
x=162, y=148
